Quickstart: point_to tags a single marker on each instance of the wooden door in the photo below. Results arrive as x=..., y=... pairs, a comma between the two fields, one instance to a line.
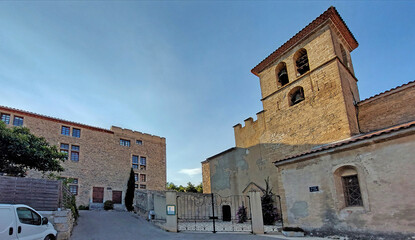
x=226, y=213
x=98, y=195
x=117, y=196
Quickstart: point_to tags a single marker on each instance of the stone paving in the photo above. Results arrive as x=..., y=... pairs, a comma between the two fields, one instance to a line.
x=103, y=225
x=109, y=225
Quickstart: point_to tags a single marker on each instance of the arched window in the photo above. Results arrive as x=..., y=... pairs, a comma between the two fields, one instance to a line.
x=344, y=56
x=282, y=74
x=296, y=95
x=301, y=61
x=350, y=186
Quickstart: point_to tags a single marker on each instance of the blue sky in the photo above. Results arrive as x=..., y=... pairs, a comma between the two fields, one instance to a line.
x=178, y=69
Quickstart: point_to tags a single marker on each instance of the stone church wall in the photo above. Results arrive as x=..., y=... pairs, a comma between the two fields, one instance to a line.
x=391, y=108
x=384, y=173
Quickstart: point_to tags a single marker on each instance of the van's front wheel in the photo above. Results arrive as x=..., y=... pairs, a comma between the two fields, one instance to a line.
x=49, y=237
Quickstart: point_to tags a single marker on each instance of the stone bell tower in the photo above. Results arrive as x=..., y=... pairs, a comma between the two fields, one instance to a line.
x=308, y=89
x=309, y=92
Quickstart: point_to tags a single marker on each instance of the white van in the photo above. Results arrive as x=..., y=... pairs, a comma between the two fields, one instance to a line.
x=22, y=222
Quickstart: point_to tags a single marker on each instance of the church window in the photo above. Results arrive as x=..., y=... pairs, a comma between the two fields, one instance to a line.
x=296, y=96
x=301, y=61
x=282, y=74
x=348, y=187
x=351, y=188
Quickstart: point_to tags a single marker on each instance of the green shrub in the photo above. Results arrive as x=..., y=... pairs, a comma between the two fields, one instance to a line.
x=82, y=207
x=108, y=205
x=242, y=214
x=72, y=205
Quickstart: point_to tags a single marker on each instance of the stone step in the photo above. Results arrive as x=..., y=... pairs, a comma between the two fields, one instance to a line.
x=93, y=206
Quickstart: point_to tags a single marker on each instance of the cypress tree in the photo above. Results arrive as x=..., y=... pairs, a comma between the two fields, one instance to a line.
x=269, y=212
x=129, y=195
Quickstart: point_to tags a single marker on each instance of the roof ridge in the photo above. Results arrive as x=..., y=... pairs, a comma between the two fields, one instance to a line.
x=352, y=140
x=387, y=91
x=54, y=118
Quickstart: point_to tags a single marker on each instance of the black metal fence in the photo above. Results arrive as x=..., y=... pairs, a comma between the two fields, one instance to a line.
x=212, y=212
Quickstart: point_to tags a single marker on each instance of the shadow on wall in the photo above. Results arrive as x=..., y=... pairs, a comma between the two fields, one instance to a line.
x=234, y=169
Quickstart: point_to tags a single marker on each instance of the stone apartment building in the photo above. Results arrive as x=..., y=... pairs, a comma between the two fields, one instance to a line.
x=340, y=165
x=99, y=160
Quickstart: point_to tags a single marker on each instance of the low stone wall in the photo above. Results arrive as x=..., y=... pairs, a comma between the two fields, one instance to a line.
x=146, y=201
x=63, y=222
x=160, y=223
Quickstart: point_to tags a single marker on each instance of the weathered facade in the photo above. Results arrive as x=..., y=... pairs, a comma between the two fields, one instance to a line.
x=381, y=202
x=99, y=159
x=318, y=143
x=325, y=114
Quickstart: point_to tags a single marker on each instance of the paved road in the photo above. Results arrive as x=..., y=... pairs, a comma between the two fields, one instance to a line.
x=103, y=225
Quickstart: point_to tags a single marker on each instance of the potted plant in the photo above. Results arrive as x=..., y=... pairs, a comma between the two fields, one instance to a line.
x=293, y=232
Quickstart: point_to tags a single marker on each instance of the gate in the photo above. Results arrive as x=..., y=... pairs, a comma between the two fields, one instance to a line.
x=213, y=213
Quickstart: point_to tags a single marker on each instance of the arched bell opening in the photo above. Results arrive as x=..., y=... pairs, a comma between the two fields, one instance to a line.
x=296, y=96
x=301, y=61
x=282, y=74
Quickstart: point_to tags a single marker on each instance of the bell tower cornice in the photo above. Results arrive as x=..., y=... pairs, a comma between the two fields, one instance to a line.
x=330, y=14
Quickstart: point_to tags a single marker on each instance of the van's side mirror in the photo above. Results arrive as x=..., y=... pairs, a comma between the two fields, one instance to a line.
x=45, y=220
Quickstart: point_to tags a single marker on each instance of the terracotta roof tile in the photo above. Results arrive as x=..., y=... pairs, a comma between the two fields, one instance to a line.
x=388, y=91
x=330, y=13
x=352, y=140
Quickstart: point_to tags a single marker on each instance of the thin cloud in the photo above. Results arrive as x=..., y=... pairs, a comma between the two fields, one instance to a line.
x=191, y=171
